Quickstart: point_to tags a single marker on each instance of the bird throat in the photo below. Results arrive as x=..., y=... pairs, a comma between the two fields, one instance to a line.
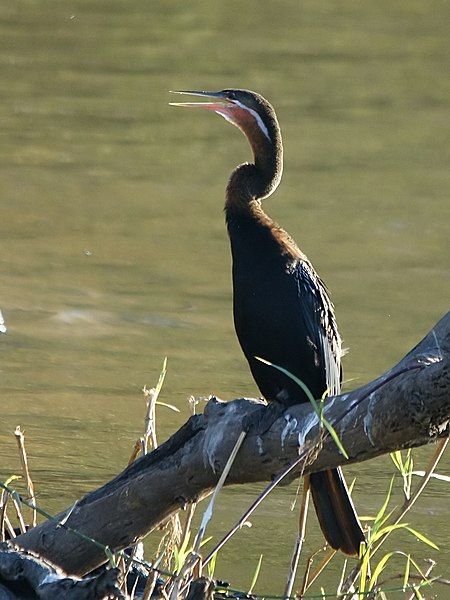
x=255, y=181
x=252, y=182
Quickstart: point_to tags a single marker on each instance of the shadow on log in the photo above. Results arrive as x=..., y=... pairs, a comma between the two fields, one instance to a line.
x=408, y=406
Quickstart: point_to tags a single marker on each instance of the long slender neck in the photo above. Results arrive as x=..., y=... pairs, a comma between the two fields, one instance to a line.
x=252, y=182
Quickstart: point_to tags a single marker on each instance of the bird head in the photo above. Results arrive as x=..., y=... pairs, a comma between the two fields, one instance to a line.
x=256, y=118
x=248, y=110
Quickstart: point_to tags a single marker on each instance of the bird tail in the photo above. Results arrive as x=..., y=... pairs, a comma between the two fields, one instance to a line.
x=337, y=516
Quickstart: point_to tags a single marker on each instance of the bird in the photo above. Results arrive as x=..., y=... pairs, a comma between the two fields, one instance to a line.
x=282, y=309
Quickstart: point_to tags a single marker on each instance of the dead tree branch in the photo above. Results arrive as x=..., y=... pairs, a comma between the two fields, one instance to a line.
x=408, y=406
x=27, y=577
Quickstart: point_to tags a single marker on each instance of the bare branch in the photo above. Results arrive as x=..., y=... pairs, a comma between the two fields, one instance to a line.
x=406, y=407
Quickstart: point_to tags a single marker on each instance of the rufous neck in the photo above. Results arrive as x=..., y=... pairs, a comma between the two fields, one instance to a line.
x=258, y=180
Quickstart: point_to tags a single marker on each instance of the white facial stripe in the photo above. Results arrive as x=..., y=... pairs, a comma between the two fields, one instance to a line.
x=226, y=117
x=256, y=117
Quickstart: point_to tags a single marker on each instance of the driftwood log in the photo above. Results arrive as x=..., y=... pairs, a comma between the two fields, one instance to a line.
x=30, y=578
x=408, y=406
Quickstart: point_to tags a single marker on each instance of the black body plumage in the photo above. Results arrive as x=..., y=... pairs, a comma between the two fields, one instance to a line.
x=282, y=313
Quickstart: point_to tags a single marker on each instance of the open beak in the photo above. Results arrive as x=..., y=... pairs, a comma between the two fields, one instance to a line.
x=219, y=104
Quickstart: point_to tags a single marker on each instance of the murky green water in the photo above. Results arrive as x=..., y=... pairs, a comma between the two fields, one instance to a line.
x=113, y=249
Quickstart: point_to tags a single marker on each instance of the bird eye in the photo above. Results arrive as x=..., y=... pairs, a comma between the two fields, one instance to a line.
x=231, y=95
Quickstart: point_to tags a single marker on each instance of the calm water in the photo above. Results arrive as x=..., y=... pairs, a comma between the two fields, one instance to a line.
x=112, y=244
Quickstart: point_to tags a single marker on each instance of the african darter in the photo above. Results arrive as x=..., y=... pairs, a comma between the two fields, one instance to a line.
x=282, y=310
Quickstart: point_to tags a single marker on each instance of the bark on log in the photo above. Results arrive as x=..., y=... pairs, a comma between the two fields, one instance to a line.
x=26, y=577
x=407, y=406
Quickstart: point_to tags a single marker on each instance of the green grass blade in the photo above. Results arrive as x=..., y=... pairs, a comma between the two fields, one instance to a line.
x=421, y=537
x=298, y=381
x=206, y=540
x=335, y=437
x=407, y=570
x=379, y=568
x=256, y=575
x=171, y=406
x=12, y=478
x=365, y=561
x=426, y=581
x=211, y=566
x=396, y=458
x=162, y=376
x=313, y=402
x=386, y=530
x=409, y=461
x=381, y=512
